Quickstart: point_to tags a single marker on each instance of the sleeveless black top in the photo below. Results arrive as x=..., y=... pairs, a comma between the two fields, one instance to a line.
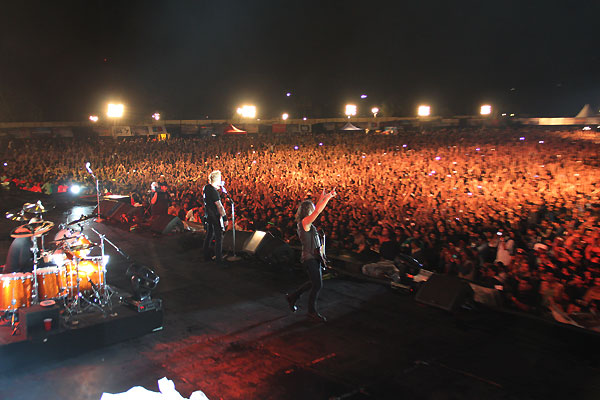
x=310, y=242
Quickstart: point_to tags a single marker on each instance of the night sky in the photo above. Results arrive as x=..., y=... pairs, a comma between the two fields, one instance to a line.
x=64, y=60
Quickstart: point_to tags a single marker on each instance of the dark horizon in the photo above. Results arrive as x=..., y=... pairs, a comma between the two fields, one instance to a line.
x=189, y=61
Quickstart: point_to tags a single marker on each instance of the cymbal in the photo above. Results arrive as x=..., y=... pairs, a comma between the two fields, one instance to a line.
x=82, y=219
x=32, y=229
x=16, y=215
x=80, y=247
x=35, y=208
x=74, y=237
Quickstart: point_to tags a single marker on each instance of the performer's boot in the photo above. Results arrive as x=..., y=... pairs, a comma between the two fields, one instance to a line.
x=291, y=300
x=315, y=316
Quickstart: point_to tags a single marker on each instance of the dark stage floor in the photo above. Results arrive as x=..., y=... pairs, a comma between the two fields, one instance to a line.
x=228, y=332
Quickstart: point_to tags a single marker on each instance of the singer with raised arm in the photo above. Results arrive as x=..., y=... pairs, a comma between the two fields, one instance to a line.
x=311, y=256
x=214, y=217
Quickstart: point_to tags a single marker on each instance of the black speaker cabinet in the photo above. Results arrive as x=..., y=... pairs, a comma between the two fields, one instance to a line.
x=165, y=224
x=274, y=250
x=445, y=292
x=32, y=318
x=241, y=237
x=108, y=207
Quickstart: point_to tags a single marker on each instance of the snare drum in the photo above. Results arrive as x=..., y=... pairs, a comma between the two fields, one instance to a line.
x=51, y=282
x=89, y=270
x=15, y=290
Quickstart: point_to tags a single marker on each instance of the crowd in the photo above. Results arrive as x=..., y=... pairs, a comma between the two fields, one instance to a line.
x=510, y=208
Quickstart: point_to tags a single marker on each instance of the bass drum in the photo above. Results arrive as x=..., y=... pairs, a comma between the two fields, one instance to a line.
x=88, y=272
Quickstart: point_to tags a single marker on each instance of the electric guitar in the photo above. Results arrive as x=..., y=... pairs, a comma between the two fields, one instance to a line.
x=321, y=252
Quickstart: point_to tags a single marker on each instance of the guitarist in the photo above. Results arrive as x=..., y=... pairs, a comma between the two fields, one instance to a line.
x=214, y=217
x=311, y=257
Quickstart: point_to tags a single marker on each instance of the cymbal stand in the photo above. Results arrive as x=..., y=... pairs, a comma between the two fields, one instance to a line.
x=41, y=215
x=233, y=257
x=35, y=251
x=75, y=306
x=107, y=292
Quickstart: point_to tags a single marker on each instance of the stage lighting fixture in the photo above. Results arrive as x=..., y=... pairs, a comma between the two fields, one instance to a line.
x=486, y=109
x=350, y=110
x=75, y=189
x=285, y=116
x=94, y=118
x=247, y=111
x=143, y=281
x=424, y=111
x=115, y=110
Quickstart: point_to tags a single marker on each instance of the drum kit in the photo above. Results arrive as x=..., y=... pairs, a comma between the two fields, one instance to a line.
x=67, y=273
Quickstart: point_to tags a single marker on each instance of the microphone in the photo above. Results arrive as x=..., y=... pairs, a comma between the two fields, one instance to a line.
x=225, y=192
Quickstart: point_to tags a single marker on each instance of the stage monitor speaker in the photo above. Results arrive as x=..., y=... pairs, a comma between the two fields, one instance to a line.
x=108, y=208
x=121, y=209
x=273, y=250
x=241, y=237
x=33, y=318
x=165, y=224
x=126, y=212
x=445, y=292
x=255, y=241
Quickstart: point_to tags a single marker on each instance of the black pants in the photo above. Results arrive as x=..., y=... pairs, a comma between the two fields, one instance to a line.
x=213, y=231
x=315, y=283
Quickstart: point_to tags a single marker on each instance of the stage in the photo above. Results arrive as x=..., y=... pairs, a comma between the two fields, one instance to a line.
x=229, y=332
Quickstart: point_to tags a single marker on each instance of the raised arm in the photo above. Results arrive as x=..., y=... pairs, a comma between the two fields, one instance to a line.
x=320, y=206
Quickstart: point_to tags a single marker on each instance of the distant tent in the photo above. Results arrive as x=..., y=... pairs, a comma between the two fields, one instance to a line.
x=586, y=112
x=350, y=127
x=232, y=130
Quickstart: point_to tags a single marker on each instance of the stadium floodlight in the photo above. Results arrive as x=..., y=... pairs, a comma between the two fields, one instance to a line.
x=424, y=110
x=115, y=110
x=350, y=110
x=375, y=110
x=486, y=109
x=285, y=116
x=247, y=111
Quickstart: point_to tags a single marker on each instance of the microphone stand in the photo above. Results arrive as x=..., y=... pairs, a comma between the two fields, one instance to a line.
x=98, y=218
x=233, y=257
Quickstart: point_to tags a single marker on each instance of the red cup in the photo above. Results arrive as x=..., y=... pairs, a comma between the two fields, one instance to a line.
x=48, y=324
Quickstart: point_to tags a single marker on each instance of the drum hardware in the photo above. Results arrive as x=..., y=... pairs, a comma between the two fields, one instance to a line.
x=77, y=280
x=107, y=292
x=16, y=325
